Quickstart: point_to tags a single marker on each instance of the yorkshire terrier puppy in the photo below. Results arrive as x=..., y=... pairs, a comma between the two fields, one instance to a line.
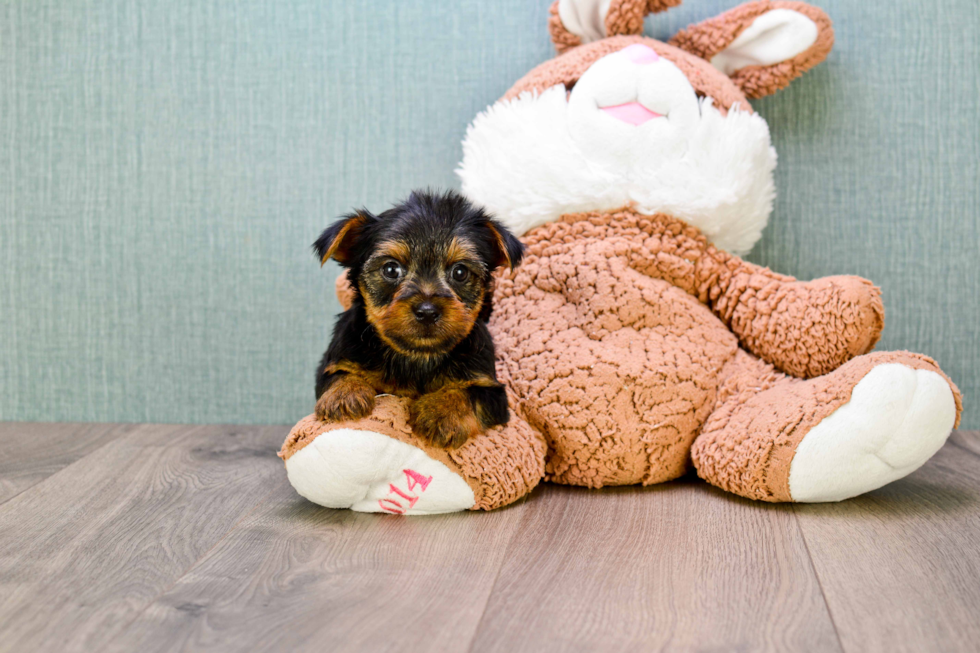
x=417, y=327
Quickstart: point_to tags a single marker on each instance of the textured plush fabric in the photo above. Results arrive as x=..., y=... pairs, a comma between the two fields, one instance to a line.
x=707, y=39
x=617, y=367
x=501, y=466
x=704, y=40
x=561, y=37
x=623, y=17
x=632, y=343
x=618, y=329
x=521, y=164
x=166, y=165
x=747, y=445
x=567, y=68
x=619, y=339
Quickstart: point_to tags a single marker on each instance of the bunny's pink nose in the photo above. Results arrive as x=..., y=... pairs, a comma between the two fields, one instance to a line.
x=640, y=54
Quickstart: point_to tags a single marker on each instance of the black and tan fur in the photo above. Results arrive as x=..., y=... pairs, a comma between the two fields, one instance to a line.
x=417, y=327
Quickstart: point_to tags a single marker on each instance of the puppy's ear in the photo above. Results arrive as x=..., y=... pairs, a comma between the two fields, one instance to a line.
x=507, y=249
x=338, y=240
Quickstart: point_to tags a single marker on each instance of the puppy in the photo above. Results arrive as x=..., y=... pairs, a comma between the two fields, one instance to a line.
x=417, y=327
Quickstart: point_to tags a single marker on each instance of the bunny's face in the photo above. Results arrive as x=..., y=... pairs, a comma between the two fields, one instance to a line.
x=634, y=103
x=630, y=121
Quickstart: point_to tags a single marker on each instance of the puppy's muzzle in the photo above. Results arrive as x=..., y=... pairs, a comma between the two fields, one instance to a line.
x=427, y=313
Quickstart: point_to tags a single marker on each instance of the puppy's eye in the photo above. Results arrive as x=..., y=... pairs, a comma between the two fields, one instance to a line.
x=391, y=270
x=459, y=273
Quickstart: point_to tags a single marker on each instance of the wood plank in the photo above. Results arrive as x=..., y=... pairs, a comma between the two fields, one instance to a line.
x=31, y=452
x=85, y=550
x=900, y=567
x=679, y=567
x=297, y=577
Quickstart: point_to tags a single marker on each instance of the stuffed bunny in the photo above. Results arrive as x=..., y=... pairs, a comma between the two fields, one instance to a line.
x=633, y=340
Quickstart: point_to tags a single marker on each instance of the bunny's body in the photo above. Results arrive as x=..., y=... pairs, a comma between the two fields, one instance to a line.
x=633, y=340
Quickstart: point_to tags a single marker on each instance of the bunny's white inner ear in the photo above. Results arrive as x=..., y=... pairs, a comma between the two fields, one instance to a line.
x=585, y=19
x=773, y=37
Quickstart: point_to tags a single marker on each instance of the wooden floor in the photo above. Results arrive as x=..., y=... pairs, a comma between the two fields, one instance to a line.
x=180, y=538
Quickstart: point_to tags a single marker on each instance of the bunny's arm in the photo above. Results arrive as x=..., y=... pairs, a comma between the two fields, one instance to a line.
x=804, y=328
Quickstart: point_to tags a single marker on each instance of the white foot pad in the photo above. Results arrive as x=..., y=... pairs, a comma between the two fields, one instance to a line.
x=896, y=420
x=370, y=472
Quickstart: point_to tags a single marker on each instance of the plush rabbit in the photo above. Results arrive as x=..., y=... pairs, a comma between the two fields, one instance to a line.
x=633, y=340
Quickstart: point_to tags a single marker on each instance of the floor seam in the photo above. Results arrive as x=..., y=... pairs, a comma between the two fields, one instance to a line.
x=816, y=575
x=500, y=569
x=63, y=468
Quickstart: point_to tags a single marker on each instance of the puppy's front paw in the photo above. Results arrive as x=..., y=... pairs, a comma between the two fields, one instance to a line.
x=445, y=419
x=347, y=399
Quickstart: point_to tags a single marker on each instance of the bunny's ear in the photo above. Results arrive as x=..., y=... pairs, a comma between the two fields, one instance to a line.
x=574, y=22
x=762, y=45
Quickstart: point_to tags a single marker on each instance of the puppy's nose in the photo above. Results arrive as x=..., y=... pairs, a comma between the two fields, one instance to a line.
x=426, y=312
x=639, y=53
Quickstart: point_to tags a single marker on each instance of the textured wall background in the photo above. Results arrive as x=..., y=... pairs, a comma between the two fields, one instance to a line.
x=164, y=167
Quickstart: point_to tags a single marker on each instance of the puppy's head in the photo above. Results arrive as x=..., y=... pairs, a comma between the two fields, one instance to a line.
x=423, y=268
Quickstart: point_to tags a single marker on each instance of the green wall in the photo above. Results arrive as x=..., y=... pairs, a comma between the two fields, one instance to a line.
x=164, y=167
